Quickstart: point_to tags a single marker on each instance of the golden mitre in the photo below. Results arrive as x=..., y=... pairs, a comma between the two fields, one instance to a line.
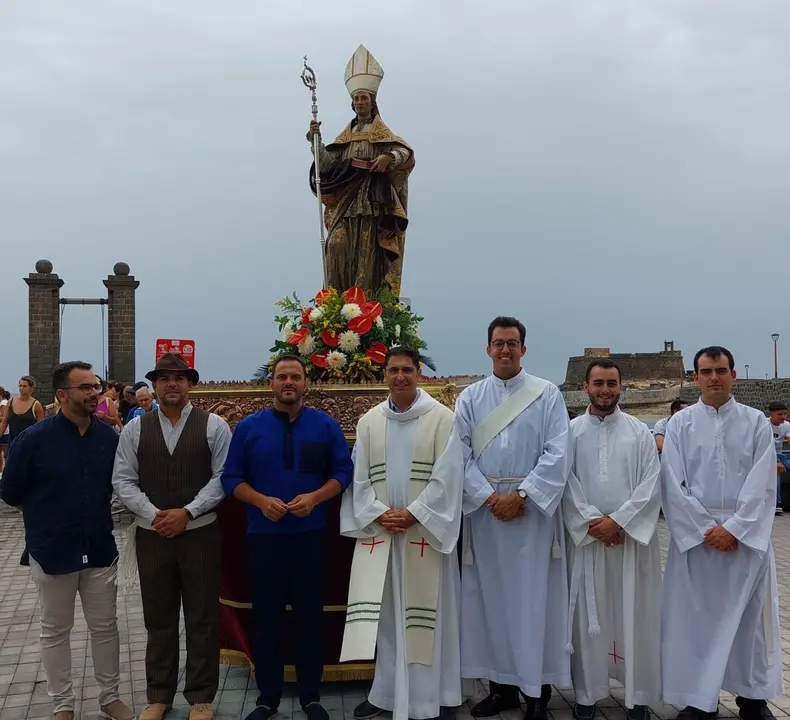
x=363, y=72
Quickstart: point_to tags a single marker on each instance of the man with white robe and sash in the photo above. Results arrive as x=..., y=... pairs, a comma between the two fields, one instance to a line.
x=611, y=510
x=720, y=614
x=404, y=508
x=514, y=587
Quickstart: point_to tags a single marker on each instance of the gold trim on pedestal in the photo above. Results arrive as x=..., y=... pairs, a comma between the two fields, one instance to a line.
x=248, y=606
x=332, y=673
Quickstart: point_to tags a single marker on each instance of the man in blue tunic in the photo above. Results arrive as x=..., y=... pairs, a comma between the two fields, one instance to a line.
x=285, y=463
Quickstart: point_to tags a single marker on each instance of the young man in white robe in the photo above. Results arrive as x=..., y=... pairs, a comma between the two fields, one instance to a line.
x=514, y=586
x=611, y=511
x=720, y=614
x=404, y=508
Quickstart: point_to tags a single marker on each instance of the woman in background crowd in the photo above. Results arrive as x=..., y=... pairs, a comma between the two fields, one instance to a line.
x=22, y=411
x=107, y=409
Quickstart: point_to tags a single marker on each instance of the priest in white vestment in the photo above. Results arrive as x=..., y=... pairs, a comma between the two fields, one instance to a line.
x=720, y=614
x=611, y=510
x=404, y=508
x=514, y=584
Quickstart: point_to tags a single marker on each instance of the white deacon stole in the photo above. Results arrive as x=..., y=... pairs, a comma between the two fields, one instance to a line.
x=371, y=555
x=488, y=428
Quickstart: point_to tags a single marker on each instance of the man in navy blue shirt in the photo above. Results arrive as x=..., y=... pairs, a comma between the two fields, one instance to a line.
x=60, y=472
x=285, y=463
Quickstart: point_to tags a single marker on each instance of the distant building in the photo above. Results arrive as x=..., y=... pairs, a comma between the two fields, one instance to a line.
x=659, y=368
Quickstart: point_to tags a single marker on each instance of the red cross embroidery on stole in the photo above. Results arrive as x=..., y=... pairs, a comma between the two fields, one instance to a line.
x=422, y=545
x=614, y=654
x=372, y=544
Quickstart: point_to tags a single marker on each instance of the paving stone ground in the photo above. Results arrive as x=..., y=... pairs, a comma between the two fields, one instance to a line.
x=23, y=687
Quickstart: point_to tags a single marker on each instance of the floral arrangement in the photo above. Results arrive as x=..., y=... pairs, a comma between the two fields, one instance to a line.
x=345, y=338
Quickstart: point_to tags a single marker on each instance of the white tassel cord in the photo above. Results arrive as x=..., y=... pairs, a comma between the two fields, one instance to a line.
x=128, y=578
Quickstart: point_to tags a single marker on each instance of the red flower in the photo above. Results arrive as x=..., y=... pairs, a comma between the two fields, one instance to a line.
x=361, y=324
x=372, y=309
x=298, y=336
x=377, y=352
x=320, y=299
x=355, y=295
x=306, y=316
x=330, y=338
x=319, y=359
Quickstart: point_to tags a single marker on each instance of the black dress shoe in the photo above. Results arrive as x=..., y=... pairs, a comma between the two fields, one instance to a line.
x=538, y=708
x=366, y=710
x=753, y=709
x=639, y=712
x=262, y=713
x=583, y=712
x=315, y=711
x=495, y=704
x=692, y=713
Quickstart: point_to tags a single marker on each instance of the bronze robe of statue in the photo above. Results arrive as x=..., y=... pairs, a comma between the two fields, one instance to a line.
x=365, y=212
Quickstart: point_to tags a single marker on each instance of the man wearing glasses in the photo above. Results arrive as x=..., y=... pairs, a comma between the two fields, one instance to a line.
x=60, y=472
x=514, y=594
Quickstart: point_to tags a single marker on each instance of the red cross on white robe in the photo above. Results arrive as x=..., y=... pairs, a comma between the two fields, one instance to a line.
x=372, y=544
x=614, y=654
x=422, y=545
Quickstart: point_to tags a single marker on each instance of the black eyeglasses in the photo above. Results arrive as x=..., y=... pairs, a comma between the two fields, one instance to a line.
x=511, y=344
x=85, y=387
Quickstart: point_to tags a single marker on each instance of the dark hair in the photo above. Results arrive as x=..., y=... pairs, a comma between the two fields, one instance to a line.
x=714, y=352
x=401, y=351
x=776, y=405
x=119, y=387
x=602, y=363
x=60, y=377
x=29, y=379
x=507, y=322
x=287, y=357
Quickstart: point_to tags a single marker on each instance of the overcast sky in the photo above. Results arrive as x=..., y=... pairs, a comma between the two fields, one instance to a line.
x=612, y=173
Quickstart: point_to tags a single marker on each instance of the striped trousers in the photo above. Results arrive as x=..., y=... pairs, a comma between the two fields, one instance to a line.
x=184, y=570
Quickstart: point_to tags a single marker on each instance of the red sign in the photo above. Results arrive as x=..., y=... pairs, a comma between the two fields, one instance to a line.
x=185, y=348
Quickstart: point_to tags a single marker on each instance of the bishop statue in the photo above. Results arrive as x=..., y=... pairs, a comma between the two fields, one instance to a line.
x=364, y=182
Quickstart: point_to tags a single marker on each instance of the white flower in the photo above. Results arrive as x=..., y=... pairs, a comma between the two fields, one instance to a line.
x=397, y=331
x=379, y=322
x=336, y=360
x=316, y=313
x=350, y=311
x=288, y=330
x=306, y=346
x=348, y=341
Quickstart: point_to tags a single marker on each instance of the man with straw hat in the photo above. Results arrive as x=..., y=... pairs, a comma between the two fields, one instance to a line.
x=167, y=472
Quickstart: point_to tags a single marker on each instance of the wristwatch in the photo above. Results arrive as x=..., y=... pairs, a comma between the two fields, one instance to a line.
x=522, y=494
x=189, y=514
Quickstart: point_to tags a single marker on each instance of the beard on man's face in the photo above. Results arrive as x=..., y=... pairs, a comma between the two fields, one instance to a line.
x=605, y=404
x=288, y=396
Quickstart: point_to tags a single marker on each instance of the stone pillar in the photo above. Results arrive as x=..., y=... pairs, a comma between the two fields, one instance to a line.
x=121, y=287
x=43, y=327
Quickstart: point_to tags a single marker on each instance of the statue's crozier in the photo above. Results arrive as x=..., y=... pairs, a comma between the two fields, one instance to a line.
x=365, y=209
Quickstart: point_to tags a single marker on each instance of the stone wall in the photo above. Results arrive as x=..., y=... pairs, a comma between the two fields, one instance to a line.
x=755, y=393
x=121, y=287
x=646, y=367
x=649, y=401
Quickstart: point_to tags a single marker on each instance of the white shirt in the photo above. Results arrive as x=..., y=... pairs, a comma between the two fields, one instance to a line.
x=780, y=432
x=126, y=480
x=3, y=403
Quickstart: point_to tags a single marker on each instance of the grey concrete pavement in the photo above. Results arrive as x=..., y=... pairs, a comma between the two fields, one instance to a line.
x=23, y=688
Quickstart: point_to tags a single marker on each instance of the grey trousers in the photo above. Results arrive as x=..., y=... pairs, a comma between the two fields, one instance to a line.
x=56, y=595
x=183, y=570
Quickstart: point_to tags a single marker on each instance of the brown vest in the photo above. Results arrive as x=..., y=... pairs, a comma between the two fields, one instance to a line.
x=173, y=481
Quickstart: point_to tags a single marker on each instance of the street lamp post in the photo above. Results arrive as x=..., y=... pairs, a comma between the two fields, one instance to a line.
x=747, y=371
x=775, y=338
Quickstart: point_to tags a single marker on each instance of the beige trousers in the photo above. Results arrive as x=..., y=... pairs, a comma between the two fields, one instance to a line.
x=56, y=596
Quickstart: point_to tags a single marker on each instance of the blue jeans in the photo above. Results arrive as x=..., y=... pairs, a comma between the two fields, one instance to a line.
x=783, y=458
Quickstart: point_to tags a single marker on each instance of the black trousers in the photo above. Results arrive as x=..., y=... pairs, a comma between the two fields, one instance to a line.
x=287, y=569
x=511, y=691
